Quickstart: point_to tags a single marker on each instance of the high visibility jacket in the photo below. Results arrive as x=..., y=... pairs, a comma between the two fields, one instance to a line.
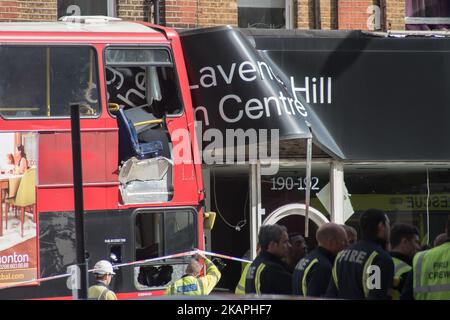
x=191, y=286
x=401, y=269
x=240, y=288
x=267, y=275
x=100, y=291
x=431, y=273
x=313, y=273
x=362, y=271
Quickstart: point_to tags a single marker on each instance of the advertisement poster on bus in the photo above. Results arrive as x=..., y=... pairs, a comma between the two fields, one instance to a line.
x=18, y=241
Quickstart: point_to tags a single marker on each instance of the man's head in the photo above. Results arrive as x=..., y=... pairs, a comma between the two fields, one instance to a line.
x=332, y=237
x=374, y=225
x=298, y=247
x=274, y=239
x=103, y=271
x=404, y=239
x=194, y=267
x=352, y=235
x=440, y=239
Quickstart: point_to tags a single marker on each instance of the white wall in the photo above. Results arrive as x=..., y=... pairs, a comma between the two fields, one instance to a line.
x=6, y=146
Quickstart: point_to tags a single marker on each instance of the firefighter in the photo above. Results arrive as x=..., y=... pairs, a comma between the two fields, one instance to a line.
x=430, y=276
x=192, y=284
x=405, y=243
x=267, y=273
x=240, y=288
x=352, y=235
x=103, y=271
x=365, y=270
x=312, y=274
x=297, y=251
x=440, y=239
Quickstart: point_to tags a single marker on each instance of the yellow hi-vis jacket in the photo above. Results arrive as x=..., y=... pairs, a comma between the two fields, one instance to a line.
x=100, y=291
x=431, y=273
x=400, y=268
x=191, y=286
x=240, y=288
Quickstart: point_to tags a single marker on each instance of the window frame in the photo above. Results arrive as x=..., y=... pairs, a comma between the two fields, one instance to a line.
x=147, y=46
x=52, y=45
x=288, y=6
x=163, y=210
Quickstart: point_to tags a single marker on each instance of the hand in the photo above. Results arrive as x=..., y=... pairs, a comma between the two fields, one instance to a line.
x=200, y=255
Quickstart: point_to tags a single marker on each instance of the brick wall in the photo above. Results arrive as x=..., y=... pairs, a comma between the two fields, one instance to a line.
x=134, y=10
x=305, y=14
x=342, y=14
x=353, y=14
x=181, y=13
x=37, y=10
x=395, y=14
x=200, y=13
x=9, y=10
x=328, y=12
x=216, y=13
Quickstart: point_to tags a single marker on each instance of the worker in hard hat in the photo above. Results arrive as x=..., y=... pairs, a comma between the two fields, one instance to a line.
x=192, y=284
x=103, y=271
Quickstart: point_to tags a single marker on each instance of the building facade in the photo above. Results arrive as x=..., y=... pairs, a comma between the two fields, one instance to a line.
x=292, y=14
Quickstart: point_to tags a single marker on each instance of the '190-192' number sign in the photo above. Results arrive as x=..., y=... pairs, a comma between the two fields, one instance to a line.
x=290, y=183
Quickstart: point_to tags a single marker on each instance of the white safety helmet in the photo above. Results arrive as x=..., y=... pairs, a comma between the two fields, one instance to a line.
x=103, y=267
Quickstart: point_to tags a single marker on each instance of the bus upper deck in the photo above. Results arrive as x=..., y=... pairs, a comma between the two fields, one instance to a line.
x=142, y=190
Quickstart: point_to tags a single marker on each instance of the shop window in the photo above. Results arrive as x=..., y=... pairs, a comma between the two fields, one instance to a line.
x=402, y=191
x=86, y=8
x=427, y=15
x=159, y=234
x=42, y=82
x=267, y=14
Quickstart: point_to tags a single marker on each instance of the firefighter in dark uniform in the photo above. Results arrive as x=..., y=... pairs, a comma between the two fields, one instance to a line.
x=267, y=273
x=312, y=274
x=297, y=250
x=365, y=270
x=352, y=234
x=404, y=245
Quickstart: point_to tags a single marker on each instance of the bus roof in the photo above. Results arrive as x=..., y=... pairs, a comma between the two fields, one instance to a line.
x=114, y=26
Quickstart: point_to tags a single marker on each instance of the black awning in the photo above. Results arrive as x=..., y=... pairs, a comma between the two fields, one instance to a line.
x=366, y=97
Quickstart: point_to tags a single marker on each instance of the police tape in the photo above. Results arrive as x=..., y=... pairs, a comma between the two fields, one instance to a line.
x=212, y=254
x=171, y=256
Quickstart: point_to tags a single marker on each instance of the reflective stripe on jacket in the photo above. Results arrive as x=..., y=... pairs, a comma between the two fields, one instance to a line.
x=401, y=268
x=191, y=286
x=267, y=275
x=431, y=273
x=240, y=288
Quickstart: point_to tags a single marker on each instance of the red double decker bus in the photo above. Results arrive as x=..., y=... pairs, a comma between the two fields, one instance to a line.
x=142, y=198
